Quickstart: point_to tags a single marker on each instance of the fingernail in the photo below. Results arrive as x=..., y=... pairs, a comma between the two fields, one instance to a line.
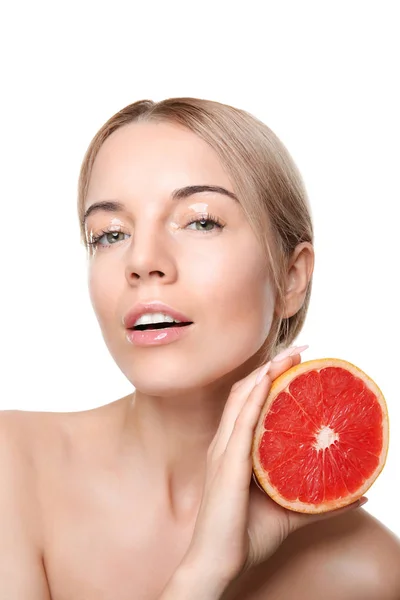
x=299, y=349
x=289, y=352
x=263, y=372
x=362, y=502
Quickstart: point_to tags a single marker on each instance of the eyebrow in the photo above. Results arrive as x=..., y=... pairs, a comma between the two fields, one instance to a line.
x=177, y=195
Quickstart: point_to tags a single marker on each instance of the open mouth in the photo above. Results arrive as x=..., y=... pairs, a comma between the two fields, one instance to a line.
x=159, y=326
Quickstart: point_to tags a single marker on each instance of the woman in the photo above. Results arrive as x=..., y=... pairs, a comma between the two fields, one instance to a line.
x=191, y=211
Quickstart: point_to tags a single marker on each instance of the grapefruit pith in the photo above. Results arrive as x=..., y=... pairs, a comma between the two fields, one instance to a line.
x=322, y=437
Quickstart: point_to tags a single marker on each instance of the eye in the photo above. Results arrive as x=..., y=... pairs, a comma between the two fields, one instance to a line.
x=203, y=220
x=111, y=237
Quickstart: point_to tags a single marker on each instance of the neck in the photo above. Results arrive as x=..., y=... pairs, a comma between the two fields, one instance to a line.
x=170, y=436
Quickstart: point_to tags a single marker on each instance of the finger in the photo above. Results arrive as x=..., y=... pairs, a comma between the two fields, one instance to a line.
x=240, y=442
x=239, y=445
x=233, y=406
x=291, y=351
x=298, y=520
x=239, y=397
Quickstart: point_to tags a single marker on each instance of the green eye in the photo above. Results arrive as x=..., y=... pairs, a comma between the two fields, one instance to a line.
x=204, y=219
x=94, y=242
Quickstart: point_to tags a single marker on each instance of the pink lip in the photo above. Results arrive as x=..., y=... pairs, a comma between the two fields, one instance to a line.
x=141, y=308
x=157, y=337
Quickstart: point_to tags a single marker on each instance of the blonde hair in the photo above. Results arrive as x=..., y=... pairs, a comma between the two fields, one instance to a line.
x=265, y=178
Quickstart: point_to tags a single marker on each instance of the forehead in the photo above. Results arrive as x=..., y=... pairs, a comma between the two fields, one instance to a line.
x=156, y=156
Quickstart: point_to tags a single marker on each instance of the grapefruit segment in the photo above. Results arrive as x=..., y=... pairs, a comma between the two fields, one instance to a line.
x=322, y=436
x=306, y=391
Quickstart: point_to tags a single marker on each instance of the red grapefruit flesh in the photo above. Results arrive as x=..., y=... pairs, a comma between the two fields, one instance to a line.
x=322, y=437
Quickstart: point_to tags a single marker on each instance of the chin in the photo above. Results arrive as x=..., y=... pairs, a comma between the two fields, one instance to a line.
x=171, y=374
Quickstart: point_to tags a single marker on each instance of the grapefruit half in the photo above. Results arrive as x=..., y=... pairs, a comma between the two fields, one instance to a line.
x=322, y=437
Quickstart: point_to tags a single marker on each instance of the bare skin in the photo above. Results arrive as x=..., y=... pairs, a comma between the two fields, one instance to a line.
x=102, y=504
x=104, y=533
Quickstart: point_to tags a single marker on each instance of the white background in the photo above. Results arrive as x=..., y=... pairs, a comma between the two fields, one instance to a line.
x=324, y=76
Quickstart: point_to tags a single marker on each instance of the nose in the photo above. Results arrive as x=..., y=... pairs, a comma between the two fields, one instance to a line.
x=150, y=258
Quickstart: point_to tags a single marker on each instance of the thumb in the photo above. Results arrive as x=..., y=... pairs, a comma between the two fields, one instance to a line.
x=298, y=520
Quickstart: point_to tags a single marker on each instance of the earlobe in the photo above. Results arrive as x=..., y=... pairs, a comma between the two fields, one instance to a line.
x=300, y=270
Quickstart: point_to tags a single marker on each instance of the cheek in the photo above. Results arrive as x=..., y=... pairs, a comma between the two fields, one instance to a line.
x=245, y=302
x=234, y=279
x=234, y=298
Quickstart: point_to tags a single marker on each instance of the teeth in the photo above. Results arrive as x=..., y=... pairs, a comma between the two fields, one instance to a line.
x=155, y=318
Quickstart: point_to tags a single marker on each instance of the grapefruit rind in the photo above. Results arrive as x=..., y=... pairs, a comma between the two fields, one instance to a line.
x=280, y=384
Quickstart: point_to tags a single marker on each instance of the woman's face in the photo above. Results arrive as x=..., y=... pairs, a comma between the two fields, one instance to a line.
x=215, y=276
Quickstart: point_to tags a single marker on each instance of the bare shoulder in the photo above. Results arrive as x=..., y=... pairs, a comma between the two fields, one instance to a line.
x=39, y=452
x=22, y=572
x=352, y=557
x=25, y=437
x=35, y=431
x=28, y=433
x=356, y=555
x=17, y=438
x=39, y=444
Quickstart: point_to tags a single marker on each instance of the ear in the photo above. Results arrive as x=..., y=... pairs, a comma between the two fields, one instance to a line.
x=299, y=273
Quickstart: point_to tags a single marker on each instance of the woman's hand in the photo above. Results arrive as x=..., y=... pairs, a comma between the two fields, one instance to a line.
x=238, y=526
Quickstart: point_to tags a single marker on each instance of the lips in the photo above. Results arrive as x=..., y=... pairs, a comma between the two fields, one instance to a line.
x=141, y=308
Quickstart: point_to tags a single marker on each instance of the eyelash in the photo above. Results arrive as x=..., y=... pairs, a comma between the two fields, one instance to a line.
x=206, y=217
